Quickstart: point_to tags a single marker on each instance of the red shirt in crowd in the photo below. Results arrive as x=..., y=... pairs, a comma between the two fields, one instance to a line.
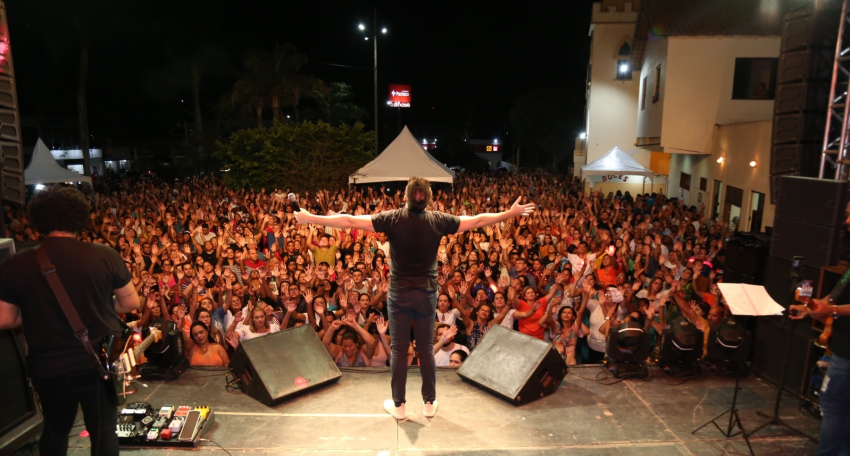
x=530, y=325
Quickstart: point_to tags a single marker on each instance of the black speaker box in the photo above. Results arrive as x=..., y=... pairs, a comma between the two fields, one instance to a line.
x=277, y=366
x=816, y=25
x=799, y=127
x=801, y=96
x=771, y=336
x=168, y=351
x=19, y=417
x=808, y=64
x=817, y=201
x=747, y=254
x=514, y=366
x=778, y=281
x=821, y=245
x=802, y=159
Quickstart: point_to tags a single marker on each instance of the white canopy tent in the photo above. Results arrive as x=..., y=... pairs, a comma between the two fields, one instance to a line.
x=43, y=169
x=401, y=160
x=617, y=162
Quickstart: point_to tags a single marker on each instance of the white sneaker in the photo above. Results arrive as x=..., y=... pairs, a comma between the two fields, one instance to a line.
x=397, y=412
x=430, y=410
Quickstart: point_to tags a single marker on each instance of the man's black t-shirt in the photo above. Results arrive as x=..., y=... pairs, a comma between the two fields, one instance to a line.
x=414, y=239
x=89, y=273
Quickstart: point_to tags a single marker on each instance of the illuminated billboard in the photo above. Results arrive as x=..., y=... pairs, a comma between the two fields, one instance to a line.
x=399, y=96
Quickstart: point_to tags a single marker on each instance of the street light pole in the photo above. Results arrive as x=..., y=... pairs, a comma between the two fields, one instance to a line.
x=375, y=68
x=375, y=45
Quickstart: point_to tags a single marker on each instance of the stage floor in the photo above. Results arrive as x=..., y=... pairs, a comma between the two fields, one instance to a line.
x=585, y=417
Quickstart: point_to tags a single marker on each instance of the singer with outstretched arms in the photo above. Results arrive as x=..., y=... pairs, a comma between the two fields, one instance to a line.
x=414, y=234
x=834, y=395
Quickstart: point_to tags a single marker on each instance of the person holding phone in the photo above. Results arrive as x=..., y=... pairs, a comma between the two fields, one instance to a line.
x=414, y=235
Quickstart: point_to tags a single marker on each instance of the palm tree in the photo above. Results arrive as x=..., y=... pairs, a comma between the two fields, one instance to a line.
x=272, y=79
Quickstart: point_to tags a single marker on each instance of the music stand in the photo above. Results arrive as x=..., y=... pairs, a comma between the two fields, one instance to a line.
x=743, y=300
x=734, y=418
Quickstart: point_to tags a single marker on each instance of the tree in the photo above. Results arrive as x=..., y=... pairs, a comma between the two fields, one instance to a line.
x=272, y=79
x=299, y=156
x=335, y=106
x=542, y=124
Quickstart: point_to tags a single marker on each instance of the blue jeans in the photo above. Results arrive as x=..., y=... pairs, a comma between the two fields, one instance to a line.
x=417, y=307
x=835, y=404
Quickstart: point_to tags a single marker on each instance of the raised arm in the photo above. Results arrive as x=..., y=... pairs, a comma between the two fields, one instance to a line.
x=481, y=220
x=363, y=222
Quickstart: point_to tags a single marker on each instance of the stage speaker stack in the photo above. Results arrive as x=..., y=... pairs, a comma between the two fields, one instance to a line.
x=808, y=223
x=20, y=420
x=11, y=155
x=277, y=366
x=746, y=258
x=804, y=75
x=514, y=366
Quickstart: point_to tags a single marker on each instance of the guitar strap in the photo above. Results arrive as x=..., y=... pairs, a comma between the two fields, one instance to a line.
x=840, y=286
x=48, y=270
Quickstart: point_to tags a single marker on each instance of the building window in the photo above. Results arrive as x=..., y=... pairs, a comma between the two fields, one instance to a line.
x=657, y=92
x=624, y=69
x=643, y=94
x=685, y=181
x=755, y=79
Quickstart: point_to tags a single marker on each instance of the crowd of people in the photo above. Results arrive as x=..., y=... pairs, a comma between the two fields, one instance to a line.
x=230, y=265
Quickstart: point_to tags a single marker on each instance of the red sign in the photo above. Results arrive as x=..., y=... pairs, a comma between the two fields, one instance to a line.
x=399, y=96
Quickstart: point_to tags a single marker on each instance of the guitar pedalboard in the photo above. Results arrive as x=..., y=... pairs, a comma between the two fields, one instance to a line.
x=141, y=425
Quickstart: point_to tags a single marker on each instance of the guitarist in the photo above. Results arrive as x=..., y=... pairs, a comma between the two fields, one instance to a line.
x=835, y=390
x=63, y=372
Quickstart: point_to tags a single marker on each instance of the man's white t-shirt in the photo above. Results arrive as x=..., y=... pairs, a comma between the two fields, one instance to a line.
x=441, y=358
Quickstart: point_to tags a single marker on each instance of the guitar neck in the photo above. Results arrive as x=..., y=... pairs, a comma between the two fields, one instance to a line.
x=143, y=346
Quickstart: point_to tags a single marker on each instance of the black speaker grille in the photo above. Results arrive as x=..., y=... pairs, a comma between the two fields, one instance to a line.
x=504, y=361
x=278, y=361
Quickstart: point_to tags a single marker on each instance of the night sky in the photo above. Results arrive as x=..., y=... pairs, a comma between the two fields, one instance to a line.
x=464, y=60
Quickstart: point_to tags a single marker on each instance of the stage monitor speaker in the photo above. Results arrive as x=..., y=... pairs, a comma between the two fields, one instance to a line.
x=778, y=281
x=801, y=159
x=801, y=96
x=11, y=155
x=19, y=417
x=815, y=25
x=514, y=366
x=817, y=201
x=769, y=352
x=798, y=127
x=277, y=366
x=805, y=65
x=821, y=245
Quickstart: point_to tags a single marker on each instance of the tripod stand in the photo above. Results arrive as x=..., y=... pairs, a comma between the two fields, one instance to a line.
x=775, y=419
x=734, y=418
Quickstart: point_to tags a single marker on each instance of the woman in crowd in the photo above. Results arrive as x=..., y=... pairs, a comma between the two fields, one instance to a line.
x=204, y=350
x=349, y=352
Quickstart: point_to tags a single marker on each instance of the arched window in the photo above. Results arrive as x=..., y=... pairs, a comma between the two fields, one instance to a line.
x=623, y=57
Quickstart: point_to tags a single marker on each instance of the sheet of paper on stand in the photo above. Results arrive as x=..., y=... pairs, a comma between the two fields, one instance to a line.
x=745, y=299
